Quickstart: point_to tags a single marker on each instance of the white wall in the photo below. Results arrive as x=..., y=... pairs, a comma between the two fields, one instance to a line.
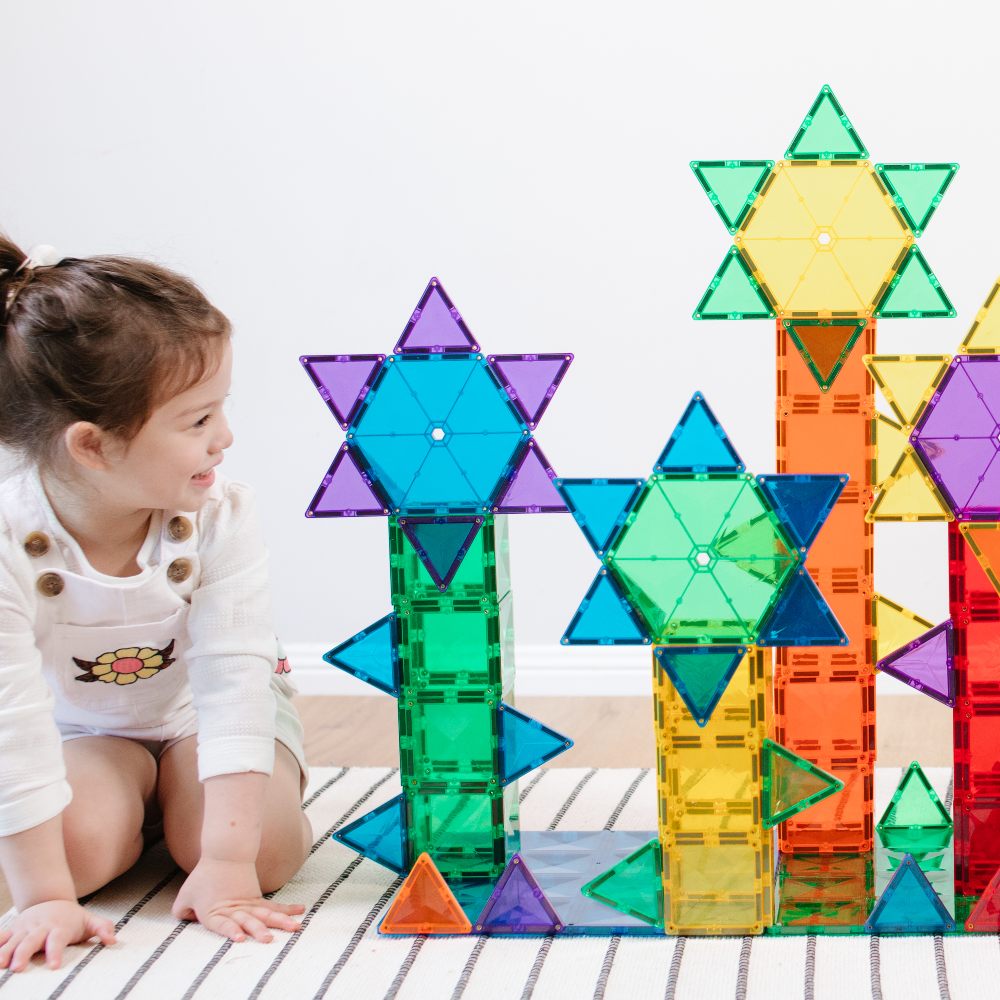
x=312, y=164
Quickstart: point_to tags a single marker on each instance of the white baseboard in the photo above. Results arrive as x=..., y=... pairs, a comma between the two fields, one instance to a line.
x=540, y=670
x=577, y=671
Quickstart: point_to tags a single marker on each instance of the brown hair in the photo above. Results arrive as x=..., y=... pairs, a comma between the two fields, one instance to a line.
x=100, y=339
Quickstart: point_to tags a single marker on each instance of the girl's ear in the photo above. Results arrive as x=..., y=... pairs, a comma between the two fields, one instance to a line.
x=88, y=445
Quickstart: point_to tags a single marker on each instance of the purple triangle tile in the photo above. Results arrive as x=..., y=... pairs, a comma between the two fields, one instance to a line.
x=959, y=464
x=436, y=326
x=530, y=380
x=957, y=408
x=984, y=504
x=926, y=664
x=343, y=381
x=346, y=491
x=530, y=489
x=517, y=905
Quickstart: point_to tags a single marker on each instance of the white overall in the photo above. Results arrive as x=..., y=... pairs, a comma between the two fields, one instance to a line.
x=114, y=648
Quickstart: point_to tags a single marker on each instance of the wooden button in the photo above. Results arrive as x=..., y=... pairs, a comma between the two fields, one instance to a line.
x=36, y=544
x=179, y=529
x=50, y=584
x=179, y=570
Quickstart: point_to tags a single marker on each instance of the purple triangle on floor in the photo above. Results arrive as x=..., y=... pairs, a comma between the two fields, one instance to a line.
x=926, y=664
x=530, y=380
x=436, y=326
x=518, y=905
x=345, y=491
x=530, y=490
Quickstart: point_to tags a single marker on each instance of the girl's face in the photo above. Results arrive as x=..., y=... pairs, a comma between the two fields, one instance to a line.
x=169, y=463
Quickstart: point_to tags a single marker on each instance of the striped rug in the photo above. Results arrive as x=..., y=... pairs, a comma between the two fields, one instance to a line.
x=339, y=954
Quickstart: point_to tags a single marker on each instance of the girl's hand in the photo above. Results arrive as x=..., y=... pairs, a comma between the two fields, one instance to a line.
x=49, y=927
x=225, y=897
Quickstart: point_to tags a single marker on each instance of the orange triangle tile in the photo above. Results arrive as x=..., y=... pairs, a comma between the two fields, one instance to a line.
x=425, y=905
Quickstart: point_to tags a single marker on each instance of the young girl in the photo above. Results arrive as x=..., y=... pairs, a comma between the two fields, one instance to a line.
x=137, y=658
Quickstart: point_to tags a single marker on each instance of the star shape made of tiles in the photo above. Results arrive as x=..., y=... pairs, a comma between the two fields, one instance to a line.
x=824, y=232
x=437, y=427
x=702, y=552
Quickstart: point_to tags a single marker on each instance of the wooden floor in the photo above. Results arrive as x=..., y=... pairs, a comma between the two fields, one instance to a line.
x=607, y=732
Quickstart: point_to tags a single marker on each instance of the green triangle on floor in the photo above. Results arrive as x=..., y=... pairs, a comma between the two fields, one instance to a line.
x=791, y=783
x=634, y=885
x=915, y=819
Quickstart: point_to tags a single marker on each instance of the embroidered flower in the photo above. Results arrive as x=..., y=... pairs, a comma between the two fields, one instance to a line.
x=126, y=666
x=282, y=667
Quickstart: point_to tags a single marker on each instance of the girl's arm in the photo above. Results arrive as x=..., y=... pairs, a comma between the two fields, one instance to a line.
x=49, y=918
x=223, y=891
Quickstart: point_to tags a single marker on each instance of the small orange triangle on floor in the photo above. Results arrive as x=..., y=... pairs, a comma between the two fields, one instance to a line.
x=425, y=905
x=985, y=917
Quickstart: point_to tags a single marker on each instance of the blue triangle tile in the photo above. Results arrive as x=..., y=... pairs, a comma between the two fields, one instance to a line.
x=371, y=655
x=909, y=905
x=803, y=503
x=379, y=836
x=441, y=543
x=526, y=744
x=517, y=905
x=604, y=618
x=700, y=674
x=801, y=617
x=699, y=444
x=599, y=506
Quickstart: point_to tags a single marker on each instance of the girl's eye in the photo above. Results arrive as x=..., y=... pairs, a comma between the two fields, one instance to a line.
x=203, y=421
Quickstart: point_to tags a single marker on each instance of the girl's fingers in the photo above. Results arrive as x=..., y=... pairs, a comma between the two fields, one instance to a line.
x=30, y=945
x=55, y=943
x=253, y=926
x=225, y=926
x=5, y=936
x=290, y=908
x=102, y=929
x=13, y=940
x=280, y=920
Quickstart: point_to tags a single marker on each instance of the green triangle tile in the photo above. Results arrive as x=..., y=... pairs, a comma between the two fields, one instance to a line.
x=791, y=783
x=826, y=133
x=824, y=345
x=909, y=905
x=915, y=293
x=917, y=189
x=732, y=186
x=733, y=293
x=700, y=675
x=915, y=817
x=634, y=885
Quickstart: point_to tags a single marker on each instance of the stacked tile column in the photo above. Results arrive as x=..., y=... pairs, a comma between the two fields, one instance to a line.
x=825, y=696
x=456, y=669
x=717, y=857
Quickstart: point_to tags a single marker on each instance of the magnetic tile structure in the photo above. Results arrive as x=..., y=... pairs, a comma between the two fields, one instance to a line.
x=705, y=563
x=948, y=471
x=824, y=244
x=439, y=441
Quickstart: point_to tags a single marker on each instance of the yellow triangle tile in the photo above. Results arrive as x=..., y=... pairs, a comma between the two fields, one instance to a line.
x=907, y=380
x=889, y=441
x=984, y=334
x=893, y=626
x=909, y=494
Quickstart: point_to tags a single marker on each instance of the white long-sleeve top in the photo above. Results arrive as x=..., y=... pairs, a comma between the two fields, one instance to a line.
x=213, y=628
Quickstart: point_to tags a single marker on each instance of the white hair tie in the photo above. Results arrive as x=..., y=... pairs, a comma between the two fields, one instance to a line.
x=42, y=255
